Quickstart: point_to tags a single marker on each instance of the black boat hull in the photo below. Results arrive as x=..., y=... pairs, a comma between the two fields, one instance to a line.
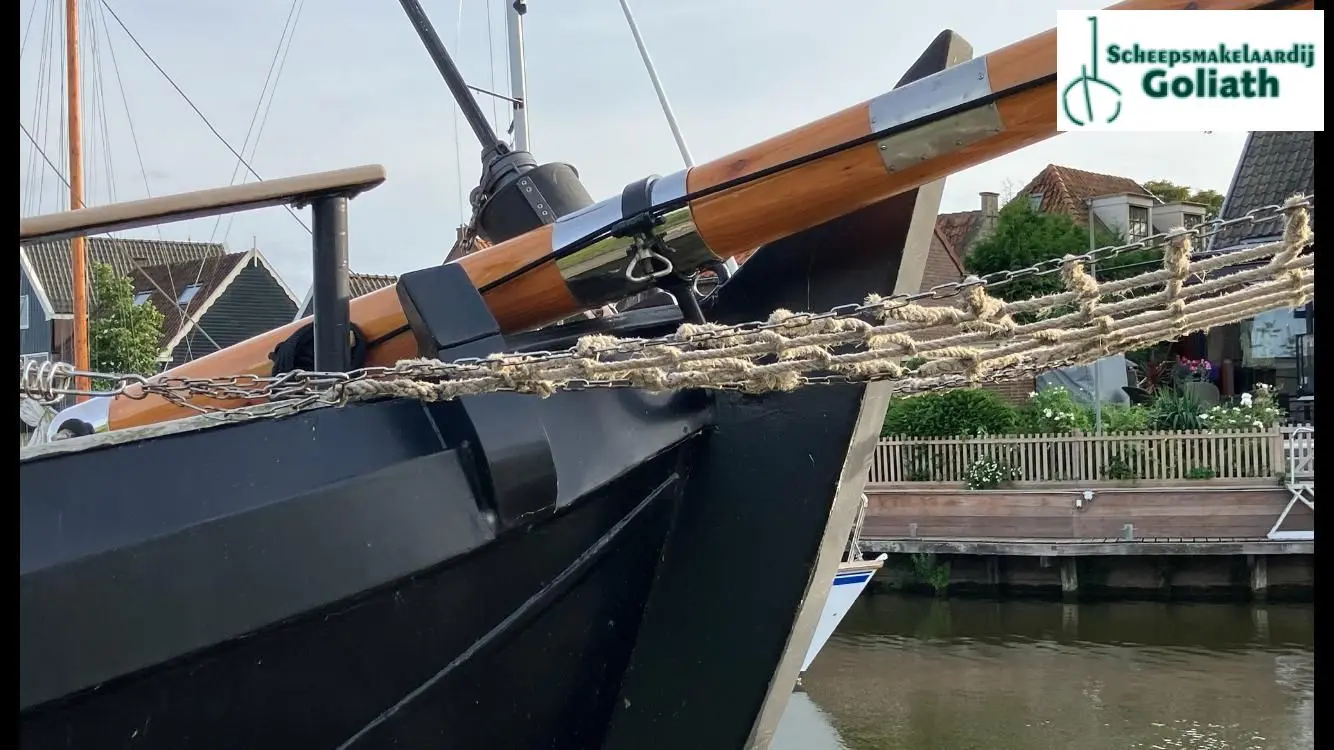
x=517, y=644
x=601, y=569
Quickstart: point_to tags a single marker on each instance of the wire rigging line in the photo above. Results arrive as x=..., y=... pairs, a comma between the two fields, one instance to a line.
x=259, y=104
x=491, y=62
x=33, y=166
x=42, y=153
x=23, y=41
x=41, y=116
x=129, y=118
x=65, y=200
x=289, y=32
x=101, y=132
x=505, y=48
x=190, y=102
x=454, y=117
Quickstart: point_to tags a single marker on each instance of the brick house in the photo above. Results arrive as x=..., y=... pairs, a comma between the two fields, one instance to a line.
x=1116, y=204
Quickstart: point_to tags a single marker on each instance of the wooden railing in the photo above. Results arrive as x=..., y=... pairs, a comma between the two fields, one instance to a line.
x=1179, y=455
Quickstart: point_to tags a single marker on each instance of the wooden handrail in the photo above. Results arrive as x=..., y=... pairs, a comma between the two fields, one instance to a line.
x=116, y=217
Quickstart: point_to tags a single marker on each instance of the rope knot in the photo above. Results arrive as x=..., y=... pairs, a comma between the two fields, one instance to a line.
x=988, y=309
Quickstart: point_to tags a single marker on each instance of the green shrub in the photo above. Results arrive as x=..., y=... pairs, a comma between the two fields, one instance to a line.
x=1124, y=418
x=987, y=473
x=1053, y=410
x=1254, y=410
x=955, y=413
x=1175, y=410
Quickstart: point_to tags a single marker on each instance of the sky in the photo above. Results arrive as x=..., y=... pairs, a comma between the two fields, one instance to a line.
x=357, y=87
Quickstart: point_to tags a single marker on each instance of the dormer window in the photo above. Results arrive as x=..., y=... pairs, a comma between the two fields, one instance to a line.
x=1139, y=223
x=1035, y=201
x=142, y=297
x=188, y=294
x=1190, y=221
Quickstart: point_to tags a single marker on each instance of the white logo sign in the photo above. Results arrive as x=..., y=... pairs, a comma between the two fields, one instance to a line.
x=1184, y=70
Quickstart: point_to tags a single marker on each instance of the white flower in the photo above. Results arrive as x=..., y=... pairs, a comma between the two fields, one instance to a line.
x=1033, y=394
x=1258, y=423
x=1245, y=399
x=1046, y=413
x=1205, y=416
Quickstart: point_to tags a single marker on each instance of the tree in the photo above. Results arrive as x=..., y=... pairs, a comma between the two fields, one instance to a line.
x=1169, y=192
x=122, y=337
x=1023, y=237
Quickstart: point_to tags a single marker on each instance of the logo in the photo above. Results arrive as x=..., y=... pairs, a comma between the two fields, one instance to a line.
x=1088, y=77
x=1150, y=71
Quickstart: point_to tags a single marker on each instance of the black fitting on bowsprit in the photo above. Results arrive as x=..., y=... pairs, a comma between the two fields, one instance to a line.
x=516, y=196
x=639, y=223
x=636, y=202
x=297, y=352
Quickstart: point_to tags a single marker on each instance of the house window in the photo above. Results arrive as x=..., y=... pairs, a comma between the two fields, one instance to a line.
x=142, y=297
x=1190, y=221
x=23, y=312
x=1035, y=201
x=1139, y=222
x=188, y=294
x=35, y=357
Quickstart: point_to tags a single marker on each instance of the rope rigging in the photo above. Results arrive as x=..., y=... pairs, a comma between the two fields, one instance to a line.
x=977, y=340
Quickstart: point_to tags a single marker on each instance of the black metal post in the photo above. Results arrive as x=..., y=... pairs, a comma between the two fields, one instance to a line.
x=453, y=78
x=333, y=327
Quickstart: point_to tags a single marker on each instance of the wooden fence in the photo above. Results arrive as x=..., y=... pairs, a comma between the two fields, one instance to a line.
x=1189, y=454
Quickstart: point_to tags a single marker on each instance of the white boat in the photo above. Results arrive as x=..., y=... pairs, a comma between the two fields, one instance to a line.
x=853, y=575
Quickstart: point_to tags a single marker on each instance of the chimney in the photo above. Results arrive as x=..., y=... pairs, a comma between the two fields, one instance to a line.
x=990, y=204
x=990, y=210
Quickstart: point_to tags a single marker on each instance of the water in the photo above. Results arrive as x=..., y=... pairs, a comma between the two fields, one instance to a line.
x=920, y=674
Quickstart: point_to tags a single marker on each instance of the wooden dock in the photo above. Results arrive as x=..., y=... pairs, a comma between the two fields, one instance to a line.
x=1102, y=539
x=1237, y=509
x=1100, y=547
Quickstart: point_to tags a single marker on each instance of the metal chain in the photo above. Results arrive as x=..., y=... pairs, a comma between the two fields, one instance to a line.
x=297, y=390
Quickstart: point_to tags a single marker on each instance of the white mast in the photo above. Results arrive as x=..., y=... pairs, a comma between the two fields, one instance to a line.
x=518, y=73
x=730, y=263
x=657, y=85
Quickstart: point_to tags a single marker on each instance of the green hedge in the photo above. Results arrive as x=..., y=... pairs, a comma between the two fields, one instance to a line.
x=974, y=411
x=964, y=411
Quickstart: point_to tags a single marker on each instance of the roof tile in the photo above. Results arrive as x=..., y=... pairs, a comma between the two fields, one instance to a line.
x=165, y=283
x=364, y=283
x=1064, y=189
x=358, y=285
x=959, y=228
x=1273, y=167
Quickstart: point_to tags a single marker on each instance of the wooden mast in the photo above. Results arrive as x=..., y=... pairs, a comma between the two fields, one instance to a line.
x=77, y=245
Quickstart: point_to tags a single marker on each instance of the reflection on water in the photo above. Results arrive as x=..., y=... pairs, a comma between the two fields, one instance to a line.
x=921, y=674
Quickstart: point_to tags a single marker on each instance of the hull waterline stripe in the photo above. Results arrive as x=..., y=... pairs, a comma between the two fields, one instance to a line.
x=848, y=580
